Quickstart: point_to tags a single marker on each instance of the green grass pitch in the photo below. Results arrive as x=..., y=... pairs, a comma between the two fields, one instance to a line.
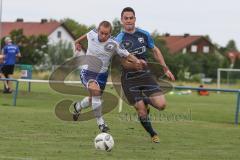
x=191, y=127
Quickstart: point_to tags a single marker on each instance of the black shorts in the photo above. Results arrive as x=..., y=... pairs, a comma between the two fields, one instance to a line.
x=8, y=69
x=139, y=84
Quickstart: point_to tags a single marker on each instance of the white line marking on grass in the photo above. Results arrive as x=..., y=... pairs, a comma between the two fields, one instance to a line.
x=15, y=158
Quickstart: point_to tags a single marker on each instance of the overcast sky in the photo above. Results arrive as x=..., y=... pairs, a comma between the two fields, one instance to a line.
x=220, y=19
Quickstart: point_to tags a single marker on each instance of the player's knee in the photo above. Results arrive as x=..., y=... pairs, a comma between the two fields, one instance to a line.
x=94, y=88
x=142, y=112
x=161, y=105
x=92, y=85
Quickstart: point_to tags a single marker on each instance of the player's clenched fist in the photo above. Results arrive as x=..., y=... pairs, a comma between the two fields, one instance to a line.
x=131, y=62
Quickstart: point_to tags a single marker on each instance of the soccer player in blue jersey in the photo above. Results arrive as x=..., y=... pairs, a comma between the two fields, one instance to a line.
x=101, y=48
x=10, y=52
x=139, y=87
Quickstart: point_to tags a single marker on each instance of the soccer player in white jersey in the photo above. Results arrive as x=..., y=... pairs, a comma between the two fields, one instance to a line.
x=101, y=47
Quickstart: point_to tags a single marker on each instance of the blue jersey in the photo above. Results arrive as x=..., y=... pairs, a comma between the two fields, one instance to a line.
x=136, y=43
x=10, y=51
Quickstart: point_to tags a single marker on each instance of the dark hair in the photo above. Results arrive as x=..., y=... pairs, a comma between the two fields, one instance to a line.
x=127, y=9
x=105, y=24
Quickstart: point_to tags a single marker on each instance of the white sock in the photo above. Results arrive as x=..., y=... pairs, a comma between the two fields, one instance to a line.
x=100, y=121
x=85, y=102
x=97, y=109
x=82, y=104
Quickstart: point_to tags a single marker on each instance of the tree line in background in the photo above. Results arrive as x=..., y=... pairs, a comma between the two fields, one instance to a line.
x=36, y=51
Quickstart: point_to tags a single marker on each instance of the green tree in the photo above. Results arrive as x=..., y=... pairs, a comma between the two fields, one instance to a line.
x=231, y=46
x=77, y=29
x=33, y=50
x=116, y=27
x=59, y=53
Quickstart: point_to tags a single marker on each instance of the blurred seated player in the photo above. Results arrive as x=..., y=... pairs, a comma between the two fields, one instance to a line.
x=203, y=92
x=101, y=47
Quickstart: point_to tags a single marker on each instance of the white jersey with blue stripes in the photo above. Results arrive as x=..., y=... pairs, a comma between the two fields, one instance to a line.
x=103, y=50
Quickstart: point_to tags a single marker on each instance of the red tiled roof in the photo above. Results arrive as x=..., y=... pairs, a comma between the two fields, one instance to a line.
x=29, y=28
x=177, y=43
x=233, y=54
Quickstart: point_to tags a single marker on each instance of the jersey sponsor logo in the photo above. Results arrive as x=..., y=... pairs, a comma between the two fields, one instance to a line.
x=11, y=47
x=127, y=44
x=138, y=51
x=141, y=39
x=110, y=47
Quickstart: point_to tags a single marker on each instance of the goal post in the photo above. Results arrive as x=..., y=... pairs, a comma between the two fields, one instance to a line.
x=224, y=70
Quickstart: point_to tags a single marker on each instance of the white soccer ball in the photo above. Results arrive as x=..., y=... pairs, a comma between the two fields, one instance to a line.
x=104, y=141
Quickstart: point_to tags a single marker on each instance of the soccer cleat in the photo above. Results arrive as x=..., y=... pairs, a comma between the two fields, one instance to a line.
x=7, y=90
x=155, y=139
x=103, y=128
x=76, y=113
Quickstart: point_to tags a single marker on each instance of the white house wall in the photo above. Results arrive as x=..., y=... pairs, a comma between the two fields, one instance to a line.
x=65, y=36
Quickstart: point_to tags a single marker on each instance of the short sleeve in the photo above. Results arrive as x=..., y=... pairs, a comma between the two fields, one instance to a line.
x=91, y=33
x=119, y=37
x=17, y=49
x=150, y=41
x=121, y=51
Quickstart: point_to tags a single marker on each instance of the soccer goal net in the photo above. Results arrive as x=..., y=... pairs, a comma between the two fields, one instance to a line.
x=227, y=77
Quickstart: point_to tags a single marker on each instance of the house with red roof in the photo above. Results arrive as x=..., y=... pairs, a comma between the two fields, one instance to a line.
x=233, y=56
x=54, y=30
x=188, y=44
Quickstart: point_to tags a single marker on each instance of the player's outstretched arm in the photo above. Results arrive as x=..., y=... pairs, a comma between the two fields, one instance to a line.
x=78, y=41
x=159, y=57
x=131, y=62
x=2, y=54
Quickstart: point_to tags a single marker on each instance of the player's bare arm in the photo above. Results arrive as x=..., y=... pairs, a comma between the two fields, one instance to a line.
x=131, y=62
x=18, y=55
x=79, y=40
x=1, y=56
x=159, y=57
